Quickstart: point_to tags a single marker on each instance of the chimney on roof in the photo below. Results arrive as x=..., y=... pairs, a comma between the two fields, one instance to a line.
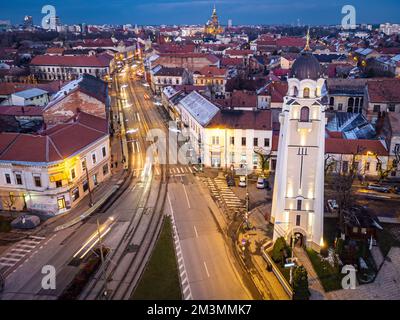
x=22, y=110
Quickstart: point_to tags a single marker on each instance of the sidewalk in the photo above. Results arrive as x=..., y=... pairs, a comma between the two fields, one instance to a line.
x=262, y=233
x=315, y=286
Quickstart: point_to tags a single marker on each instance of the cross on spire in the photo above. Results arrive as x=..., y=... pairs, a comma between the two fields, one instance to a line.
x=307, y=47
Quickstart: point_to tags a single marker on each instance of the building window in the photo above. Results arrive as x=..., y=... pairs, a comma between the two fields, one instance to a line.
x=232, y=157
x=331, y=101
x=355, y=230
x=298, y=220
x=8, y=178
x=61, y=203
x=18, y=178
x=215, y=140
x=367, y=165
x=103, y=151
x=378, y=166
x=345, y=166
x=306, y=93
x=243, y=141
x=305, y=114
x=255, y=142
x=232, y=140
x=340, y=107
x=95, y=181
x=105, y=169
x=59, y=184
x=392, y=107
x=94, y=160
x=38, y=181
x=266, y=142
x=350, y=102
x=299, y=204
x=377, y=108
x=85, y=186
x=83, y=163
x=73, y=175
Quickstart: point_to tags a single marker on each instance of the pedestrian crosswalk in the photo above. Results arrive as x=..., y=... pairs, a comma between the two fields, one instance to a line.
x=224, y=194
x=18, y=251
x=172, y=171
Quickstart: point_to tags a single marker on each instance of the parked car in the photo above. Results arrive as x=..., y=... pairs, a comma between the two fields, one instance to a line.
x=332, y=205
x=242, y=181
x=261, y=183
x=377, y=187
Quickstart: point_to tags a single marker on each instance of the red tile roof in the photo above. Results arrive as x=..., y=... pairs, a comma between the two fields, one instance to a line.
x=346, y=146
x=55, y=50
x=238, y=119
x=71, y=61
x=7, y=88
x=212, y=71
x=384, y=91
x=291, y=42
x=55, y=144
x=234, y=52
x=21, y=111
x=231, y=61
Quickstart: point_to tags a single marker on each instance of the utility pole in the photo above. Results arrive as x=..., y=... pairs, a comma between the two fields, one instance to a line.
x=91, y=203
x=104, y=289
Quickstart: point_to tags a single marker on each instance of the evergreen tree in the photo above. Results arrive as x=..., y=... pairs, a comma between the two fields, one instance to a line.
x=300, y=284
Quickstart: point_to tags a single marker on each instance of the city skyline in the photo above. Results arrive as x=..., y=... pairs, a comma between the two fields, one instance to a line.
x=157, y=12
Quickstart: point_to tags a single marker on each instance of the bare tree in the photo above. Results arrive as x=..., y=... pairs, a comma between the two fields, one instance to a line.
x=342, y=183
x=263, y=158
x=390, y=167
x=329, y=163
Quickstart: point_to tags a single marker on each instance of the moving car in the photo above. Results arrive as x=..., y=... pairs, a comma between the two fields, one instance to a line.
x=242, y=181
x=377, y=187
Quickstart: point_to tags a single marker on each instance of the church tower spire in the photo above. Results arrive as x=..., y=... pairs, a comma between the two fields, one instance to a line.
x=307, y=47
x=298, y=198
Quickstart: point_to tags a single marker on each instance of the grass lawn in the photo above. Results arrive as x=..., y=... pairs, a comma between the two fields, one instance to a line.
x=5, y=224
x=160, y=280
x=386, y=239
x=330, y=279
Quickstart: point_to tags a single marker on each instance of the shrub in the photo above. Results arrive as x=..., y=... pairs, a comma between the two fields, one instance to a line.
x=300, y=284
x=279, y=250
x=324, y=252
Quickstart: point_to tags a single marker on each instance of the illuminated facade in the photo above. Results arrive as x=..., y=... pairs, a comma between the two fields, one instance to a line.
x=298, y=199
x=212, y=27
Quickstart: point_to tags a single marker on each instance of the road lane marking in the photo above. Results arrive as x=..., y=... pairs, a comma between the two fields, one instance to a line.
x=195, y=231
x=187, y=198
x=170, y=204
x=205, y=267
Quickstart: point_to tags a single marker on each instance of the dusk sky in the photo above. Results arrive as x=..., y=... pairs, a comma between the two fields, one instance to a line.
x=198, y=11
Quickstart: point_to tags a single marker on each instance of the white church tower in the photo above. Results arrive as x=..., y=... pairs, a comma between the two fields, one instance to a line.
x=298, y=199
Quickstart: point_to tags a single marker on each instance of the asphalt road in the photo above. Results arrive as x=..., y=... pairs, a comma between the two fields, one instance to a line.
x=212, y=271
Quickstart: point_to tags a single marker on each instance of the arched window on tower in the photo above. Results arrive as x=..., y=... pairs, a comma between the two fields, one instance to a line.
x=305, y=114
x=295, y=91
x=306, y=93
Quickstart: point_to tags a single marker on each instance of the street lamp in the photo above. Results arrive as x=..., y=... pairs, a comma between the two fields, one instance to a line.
x=291, y=264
